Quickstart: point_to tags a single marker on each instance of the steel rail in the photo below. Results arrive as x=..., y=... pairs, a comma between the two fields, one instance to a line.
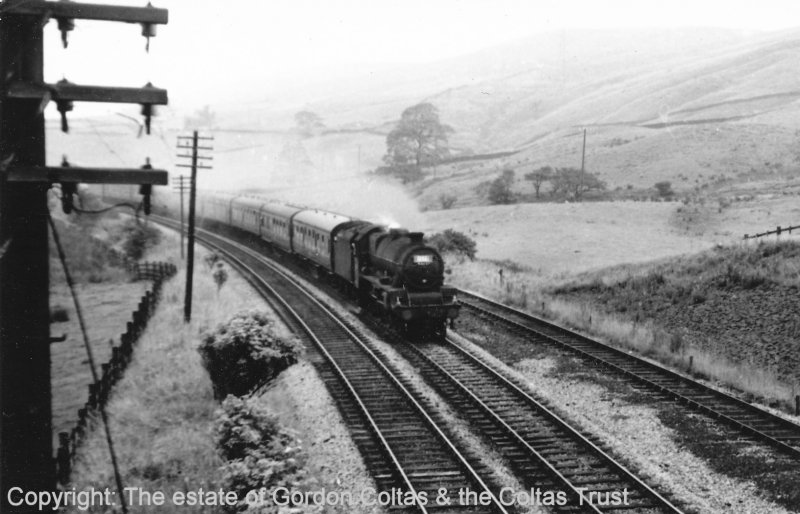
x=553, y=417
x=388, y=373
x=543, y=461
x=634, y=361
x=471, y=473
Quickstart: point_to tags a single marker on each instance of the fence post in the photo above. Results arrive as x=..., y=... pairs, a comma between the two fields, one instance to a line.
x=105, y=383
x=92, y=402
x=63, y=458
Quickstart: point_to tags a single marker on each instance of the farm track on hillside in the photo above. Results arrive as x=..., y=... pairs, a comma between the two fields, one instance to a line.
x=401, y=443
x=661, y=383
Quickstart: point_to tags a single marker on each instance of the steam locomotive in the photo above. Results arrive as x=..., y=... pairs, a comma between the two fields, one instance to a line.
x=389, y=271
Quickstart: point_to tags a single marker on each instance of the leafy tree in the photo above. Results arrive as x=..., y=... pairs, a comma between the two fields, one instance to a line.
x=500, y=188
x=453, y=241
x=308, y=123
x=539, y=177
x=575, y=183
x=664, y=189
x=419, y=139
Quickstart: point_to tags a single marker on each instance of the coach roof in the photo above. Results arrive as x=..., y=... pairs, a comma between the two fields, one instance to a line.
x=324, y=220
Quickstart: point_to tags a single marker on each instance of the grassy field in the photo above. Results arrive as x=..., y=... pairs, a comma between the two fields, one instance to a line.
x=555, y=239
x=107, y=307
x=562, y=239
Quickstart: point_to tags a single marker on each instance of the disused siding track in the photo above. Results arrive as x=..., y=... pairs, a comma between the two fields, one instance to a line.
x=545, y=452
x=403, y=447
x=662, y=383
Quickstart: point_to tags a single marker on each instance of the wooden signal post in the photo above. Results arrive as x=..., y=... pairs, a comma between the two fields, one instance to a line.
x=26, y=452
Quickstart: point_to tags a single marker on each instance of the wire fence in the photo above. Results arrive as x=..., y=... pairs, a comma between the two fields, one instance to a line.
x=113, y=370
x=778, y=231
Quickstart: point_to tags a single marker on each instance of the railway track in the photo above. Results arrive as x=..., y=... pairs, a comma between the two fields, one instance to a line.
x=546, y=452
x=663, y=383
x=404, y=448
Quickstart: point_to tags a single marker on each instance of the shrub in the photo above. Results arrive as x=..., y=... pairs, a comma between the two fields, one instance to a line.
x=664, y=189
x=244, y=427
x=259, y=453
x=500, y=189
x=88, y=257
x=220, y=276
x=452, y=241
x=138, y=237
x=447, y=201
x=245, y=353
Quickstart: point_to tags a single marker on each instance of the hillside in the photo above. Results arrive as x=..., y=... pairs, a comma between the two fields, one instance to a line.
x=690, y=106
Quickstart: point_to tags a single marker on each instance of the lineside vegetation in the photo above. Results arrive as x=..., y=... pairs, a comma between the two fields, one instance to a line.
x=728, y=310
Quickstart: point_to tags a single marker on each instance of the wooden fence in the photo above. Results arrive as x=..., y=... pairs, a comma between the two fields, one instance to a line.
x=777, y=232
x=113, y=370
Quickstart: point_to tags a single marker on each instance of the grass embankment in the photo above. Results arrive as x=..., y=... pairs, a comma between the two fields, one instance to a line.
x=731, y=310
x=162, y=412
x=164, y=416
x=108, y=298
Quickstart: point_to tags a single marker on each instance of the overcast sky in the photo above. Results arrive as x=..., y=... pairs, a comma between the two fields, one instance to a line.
x=210, y=48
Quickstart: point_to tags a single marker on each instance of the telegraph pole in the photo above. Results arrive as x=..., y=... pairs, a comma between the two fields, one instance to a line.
x=26, y=450
x=181, y=184
x=583, y=153
x=192, y=143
